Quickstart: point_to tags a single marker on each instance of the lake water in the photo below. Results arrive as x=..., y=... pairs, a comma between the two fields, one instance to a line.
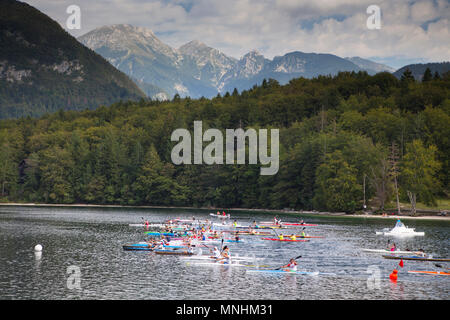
x=90, y=240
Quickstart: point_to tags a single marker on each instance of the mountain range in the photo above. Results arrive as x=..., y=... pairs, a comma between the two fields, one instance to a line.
x=196, y=70
x=44, y=69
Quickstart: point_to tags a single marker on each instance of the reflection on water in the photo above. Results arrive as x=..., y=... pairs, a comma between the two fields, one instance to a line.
x=92, y=239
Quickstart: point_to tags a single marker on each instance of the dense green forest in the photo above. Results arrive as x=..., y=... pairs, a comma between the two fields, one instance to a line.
x=336, y=134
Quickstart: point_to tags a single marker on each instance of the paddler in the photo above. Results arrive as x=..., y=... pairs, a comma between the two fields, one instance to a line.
x=281, y=237
x=216, y=253
x=224, y=256
x=393, y=247
x=303, y=234
x=235, y=223
x=291, y=266
x=224, y=214
x=293, y=237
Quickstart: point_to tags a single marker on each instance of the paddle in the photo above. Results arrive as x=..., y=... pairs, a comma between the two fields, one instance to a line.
x=294, y=259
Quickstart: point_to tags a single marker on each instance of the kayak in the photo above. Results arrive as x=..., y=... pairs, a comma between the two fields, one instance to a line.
x=226, y=264
x=393, y=252
x=432, y=272
x=299, y=224
x=303, y=237
x=210, y=258
x=247, y=233
x=416, y=258
x=151, y=233
x=288, y=224
x=136, y=248
x=314, y=273
x=172, y=252
x=289, y=240
x=220, y=216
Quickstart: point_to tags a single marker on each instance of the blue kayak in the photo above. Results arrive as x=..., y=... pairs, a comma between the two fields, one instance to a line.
x=145, y=247
x=151, y=233
x=136, y=248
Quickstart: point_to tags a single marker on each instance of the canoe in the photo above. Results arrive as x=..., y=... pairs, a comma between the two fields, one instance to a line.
x=415, y=258
x=418, y=253
x=288, y=240
x=173, y=252
x=311, y=273
x=432, y=272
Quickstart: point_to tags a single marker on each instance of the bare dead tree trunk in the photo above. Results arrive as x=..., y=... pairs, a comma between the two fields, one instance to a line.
x=412, y=199
x=396, y=194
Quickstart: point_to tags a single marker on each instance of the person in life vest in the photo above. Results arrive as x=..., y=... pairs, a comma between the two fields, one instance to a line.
x=393, y=247
x=293, y=237
x=281, y=237
x=291, y=266
x=224, y=214
x=235, y=223
x=303, y=234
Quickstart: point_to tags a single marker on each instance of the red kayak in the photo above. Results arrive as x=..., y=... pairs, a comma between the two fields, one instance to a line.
x=289, y=240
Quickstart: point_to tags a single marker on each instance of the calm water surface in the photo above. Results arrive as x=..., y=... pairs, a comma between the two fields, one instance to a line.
x=92, y=239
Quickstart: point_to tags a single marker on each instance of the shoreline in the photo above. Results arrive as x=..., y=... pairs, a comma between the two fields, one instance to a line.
x=268, y=211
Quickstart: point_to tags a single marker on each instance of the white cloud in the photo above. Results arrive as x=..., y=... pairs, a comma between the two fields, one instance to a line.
x=410, y=28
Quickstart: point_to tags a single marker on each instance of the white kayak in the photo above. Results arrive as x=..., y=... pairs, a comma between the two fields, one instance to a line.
x=220, y=216
x=232, y=264
x=204, y=257
x=394, y=252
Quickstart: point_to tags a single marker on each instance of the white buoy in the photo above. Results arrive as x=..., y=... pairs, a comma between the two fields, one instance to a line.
x=38, y=248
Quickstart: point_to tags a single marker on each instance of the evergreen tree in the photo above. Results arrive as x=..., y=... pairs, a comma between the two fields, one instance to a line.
x=427, y=76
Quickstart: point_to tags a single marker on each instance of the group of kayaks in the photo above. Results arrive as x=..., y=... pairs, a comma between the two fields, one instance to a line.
x=182, y=237
x=185, y=237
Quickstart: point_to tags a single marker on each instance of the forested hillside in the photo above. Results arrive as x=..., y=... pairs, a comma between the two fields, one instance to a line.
x=44, y=69
x=335, y=132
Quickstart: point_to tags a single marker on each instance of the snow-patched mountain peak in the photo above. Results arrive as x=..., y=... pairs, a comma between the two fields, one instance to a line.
x=251, y=64
x=123, y=37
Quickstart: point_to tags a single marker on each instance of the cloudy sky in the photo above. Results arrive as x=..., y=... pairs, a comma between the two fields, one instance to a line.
x=412, y=31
